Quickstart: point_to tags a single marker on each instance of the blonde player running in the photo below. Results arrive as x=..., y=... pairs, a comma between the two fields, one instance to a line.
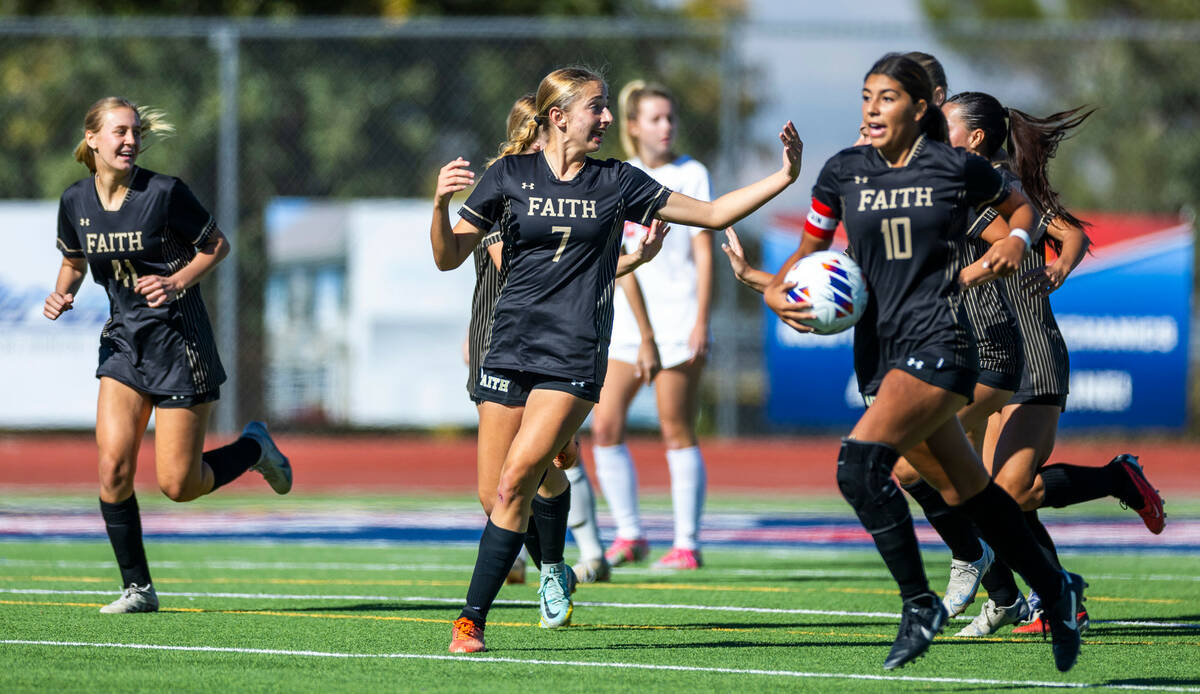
x=677, y=294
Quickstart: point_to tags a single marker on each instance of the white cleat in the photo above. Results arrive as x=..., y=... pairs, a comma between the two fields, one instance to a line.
x=596, y=570
x=272, y=464
x=964, y=580
x=993, y=616
x=135, y=598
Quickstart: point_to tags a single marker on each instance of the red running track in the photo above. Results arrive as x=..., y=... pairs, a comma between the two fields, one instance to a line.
x=394, y=463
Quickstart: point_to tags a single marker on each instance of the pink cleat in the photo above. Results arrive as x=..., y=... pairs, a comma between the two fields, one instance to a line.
x=627, y=551
x=680, y=558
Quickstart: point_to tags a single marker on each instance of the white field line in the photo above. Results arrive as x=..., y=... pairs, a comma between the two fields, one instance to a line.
x=532, y=603
x=239, y=565
x=625, y=666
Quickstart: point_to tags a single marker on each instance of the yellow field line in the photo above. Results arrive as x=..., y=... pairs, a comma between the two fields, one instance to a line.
x=604, y=627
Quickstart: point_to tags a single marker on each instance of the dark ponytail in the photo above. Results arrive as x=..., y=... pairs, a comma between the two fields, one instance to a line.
x=1031, y=143
x=914, y=79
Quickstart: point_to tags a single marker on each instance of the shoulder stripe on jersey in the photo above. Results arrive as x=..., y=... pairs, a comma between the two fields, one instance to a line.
x=490, y=222
x=63, y=247
x=205, y=232
x=653, y=206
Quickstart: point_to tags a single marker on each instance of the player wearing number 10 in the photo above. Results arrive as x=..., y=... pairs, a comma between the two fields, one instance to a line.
x=147, y=241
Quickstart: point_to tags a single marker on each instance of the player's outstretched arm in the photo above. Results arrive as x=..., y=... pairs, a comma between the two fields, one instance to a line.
x=452, y=244
x=751, y=277
x=70, y=277
x=736, y=205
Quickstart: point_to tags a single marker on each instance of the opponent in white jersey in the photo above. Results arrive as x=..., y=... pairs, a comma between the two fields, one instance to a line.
x=676, y=291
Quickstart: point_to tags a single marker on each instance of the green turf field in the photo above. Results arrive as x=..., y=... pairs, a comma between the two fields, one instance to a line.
x=322, y=617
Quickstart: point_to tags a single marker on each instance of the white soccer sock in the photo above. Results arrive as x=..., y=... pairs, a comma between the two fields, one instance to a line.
x=618, y=481
x=688, y=483
x=582, y=517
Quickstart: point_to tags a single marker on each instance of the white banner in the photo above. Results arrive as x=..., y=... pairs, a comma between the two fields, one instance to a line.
x=47, y=369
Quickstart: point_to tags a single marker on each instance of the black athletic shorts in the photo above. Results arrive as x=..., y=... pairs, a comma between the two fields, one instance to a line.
x=184, y=401
x=1000, y=380
x=937, y=365
x=511, y=387
x=1027, y=398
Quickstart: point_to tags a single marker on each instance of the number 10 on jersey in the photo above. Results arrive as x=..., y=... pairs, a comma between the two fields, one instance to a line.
x=897, y=238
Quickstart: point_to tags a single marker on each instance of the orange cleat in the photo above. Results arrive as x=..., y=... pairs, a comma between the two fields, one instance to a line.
x=466, y=637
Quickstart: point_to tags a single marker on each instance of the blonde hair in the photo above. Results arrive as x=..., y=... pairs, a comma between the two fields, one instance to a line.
x=627, y=105
x=150, y=120
x=558, y=89
x=522, y=126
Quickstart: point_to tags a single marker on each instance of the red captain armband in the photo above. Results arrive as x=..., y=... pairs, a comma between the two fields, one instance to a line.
x=821, y=221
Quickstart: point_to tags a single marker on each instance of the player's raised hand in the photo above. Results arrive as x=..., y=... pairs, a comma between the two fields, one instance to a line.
x=58, y=304
x=793, y=150
x=452, y=178
x=733, y=251
x=790, y=312
x=157, y=289
x=651, y=243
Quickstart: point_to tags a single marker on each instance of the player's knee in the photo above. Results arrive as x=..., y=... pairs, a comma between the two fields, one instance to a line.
x=864, y=478
x=116, y=472
x=607, y=431
x=677, y=434
x=178, y=490
x=1022, y=490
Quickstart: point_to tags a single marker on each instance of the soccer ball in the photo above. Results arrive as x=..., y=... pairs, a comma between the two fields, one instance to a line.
x=834, y=285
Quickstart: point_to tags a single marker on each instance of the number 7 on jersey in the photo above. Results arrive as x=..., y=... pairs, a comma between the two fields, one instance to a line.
x=566, y=232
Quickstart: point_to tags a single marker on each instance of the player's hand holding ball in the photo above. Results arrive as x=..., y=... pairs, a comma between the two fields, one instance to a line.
x=58, y=304
x=157, y=289
x=792, y=313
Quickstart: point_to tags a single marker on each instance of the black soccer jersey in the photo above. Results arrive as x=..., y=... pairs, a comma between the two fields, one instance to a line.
x=561, y=244
x=488, y=282
x=1047, y=371
x=169, y=349
x=988, y=306
x=900, y=221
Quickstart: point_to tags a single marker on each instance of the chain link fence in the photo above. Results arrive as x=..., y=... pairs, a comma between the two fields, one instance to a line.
x=297, y=134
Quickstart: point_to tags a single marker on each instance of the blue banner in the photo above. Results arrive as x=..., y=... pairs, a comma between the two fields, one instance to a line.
x=1125, y=314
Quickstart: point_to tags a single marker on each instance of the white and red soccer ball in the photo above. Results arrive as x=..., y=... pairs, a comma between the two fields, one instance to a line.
x=834, y=285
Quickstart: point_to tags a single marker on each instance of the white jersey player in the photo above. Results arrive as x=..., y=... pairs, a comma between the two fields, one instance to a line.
x=667, y=342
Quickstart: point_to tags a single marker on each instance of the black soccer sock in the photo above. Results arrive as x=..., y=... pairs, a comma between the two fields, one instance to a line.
x=1074, y=484
x=123, y=522
x=1043, y=538
x=956, y=531
x=1002, y=526
x=864, y=478
x=229, y=462
x=550, y=517
x=533, y=544
x=498, y=549
x=1000, y=584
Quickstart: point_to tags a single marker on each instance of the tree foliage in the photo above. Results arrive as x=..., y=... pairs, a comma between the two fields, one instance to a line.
x=1140, y=151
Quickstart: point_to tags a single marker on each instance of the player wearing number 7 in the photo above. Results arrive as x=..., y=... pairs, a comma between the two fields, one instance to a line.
x=148, y=241
x=561, y=216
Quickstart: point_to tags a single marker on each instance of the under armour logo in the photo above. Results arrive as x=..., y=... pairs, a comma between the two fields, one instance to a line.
x=916, y=363
x=578, y=384
x=860, y=179
x=85, y=222
x=526, y=186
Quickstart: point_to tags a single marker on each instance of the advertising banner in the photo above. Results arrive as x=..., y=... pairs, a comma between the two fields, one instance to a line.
x=1125, y=314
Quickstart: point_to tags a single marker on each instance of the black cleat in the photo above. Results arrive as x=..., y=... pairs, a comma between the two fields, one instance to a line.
x=922, y=619
x=1063, y=619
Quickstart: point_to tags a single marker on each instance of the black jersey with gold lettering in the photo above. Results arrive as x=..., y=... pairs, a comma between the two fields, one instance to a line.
x=561, y=244
x=900, y=221
x=165, y=350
